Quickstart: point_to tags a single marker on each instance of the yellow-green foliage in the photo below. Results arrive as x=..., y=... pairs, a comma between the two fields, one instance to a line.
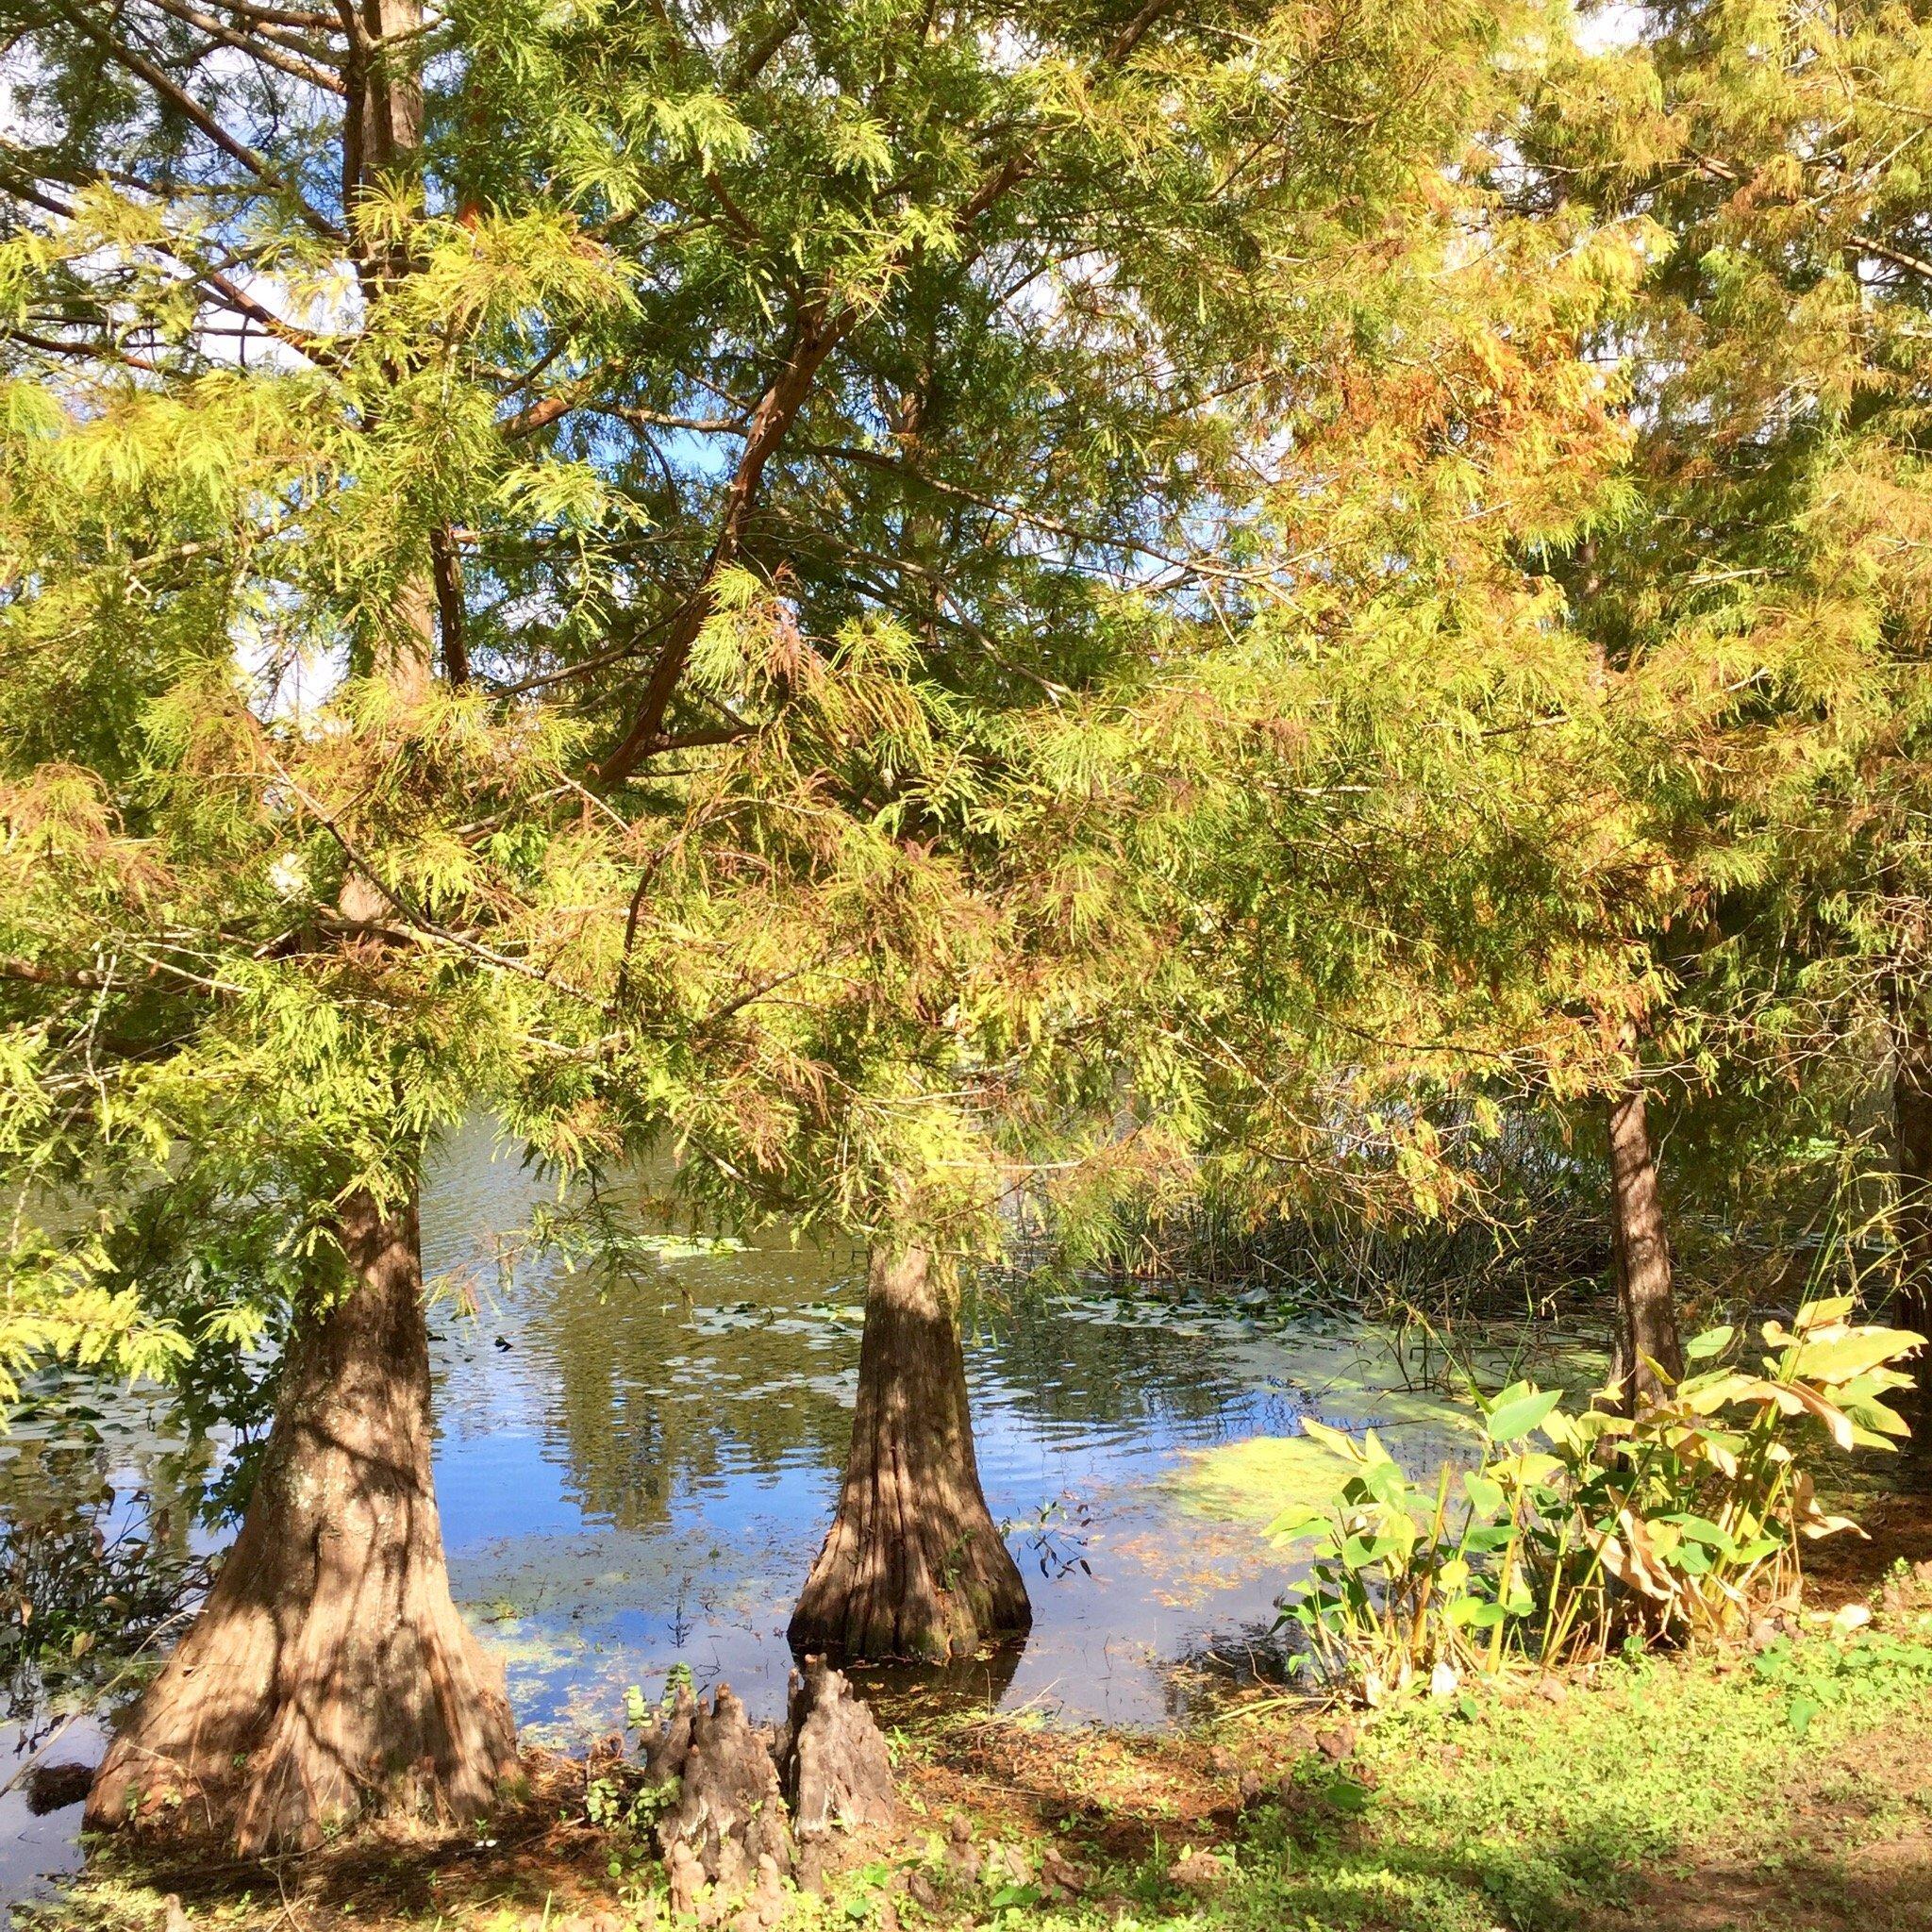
x=1674, y=1525
x=1022, y=418
x=1762, y=608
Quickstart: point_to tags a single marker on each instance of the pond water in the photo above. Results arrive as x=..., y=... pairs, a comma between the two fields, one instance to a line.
x=635, y=1476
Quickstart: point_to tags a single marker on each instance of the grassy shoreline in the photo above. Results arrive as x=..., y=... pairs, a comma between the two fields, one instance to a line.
x=1787, y=1784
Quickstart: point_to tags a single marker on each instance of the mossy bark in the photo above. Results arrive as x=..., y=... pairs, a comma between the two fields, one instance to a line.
x=913, y=1565
x=329, y=1675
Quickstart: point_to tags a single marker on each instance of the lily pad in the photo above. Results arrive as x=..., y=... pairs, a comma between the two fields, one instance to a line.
x=670, y=1247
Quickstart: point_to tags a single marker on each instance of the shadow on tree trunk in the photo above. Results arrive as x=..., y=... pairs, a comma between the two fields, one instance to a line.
x=329, y=1675
x=1650, y=1353
x=913, y=1565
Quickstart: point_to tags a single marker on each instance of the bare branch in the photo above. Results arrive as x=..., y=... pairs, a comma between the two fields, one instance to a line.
x=269, y=52
x=815, y=336
x=184, y=104
x=317, y=21
x=1912, y=265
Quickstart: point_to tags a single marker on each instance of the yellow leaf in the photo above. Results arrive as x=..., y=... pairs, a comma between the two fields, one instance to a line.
x=1834, y=1418
x=1844, y=1354
x=1338, y=1441
x=1816, y=1315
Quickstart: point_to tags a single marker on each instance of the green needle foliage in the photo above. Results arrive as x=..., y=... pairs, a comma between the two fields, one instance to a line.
x=1114, y=602
x=800, y=436
x=704, y=578
x=1761, y=604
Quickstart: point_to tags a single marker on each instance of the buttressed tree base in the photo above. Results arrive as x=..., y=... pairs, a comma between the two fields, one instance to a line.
x=329, y=1674
x=913, y=1565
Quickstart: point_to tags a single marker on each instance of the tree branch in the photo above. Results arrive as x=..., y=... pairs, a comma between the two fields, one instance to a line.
x=93, y=352
x=191, y=110
x=815, y=336
x=31, y=974
x=317, y=349
x=820, y=330
x=1912, y=265
x=615, y=654
x=760, y=54
x=418, y=920
x=1037, y=520
x=270, y=53
x=318, y=22
x=1898, y=257
x=446, y=569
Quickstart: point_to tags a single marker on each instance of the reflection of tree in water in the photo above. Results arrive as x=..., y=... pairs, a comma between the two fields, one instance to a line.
x=923, y=1691
x=89, y=1570
x=655, y=1396
x=661, y=1382
x=1166, y=1376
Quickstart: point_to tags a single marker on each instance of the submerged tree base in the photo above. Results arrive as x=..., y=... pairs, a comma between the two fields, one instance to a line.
x=329, y=1675
x=913, y=1565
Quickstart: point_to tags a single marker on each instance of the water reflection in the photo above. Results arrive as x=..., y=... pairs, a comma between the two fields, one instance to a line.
x=97, y=1556
x=635, y=1479
x=40, y=1844
x=635, y=1476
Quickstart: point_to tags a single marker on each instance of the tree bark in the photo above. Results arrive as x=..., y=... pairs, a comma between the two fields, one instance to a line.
x=1911, y=1107
x=833, y=1760
x=730, y=1812
x=912, y=1565
x=329, y=1675
x=1646, y=1305
x=818, y=330
x=1911, y=1125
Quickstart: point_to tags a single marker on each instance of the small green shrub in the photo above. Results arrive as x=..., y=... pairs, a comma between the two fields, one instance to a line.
x=1663, y=1529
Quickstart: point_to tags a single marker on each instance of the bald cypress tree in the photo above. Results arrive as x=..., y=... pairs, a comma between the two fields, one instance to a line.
x=1761, y=601
x=578, y=565
x=159, y=240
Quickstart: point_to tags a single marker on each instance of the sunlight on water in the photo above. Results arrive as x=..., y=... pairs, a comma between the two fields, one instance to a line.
x=635, y=1475
x=638, y=1478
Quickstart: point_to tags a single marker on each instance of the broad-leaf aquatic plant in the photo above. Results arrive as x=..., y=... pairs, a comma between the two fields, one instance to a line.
x=1668, y=1527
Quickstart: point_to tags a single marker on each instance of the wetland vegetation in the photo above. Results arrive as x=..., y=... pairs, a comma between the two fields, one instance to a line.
x=965, y=964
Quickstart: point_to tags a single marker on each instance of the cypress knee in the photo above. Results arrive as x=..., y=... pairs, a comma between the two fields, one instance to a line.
x=329, y=1675
x=1646, y=1304
x=913, y=1565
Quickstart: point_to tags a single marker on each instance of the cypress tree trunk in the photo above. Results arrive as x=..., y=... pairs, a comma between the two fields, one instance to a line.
x=912, y=1565
x=1911, y=1109
x=1912, y=1122
x=328, y=1675
x=1646, y=1305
